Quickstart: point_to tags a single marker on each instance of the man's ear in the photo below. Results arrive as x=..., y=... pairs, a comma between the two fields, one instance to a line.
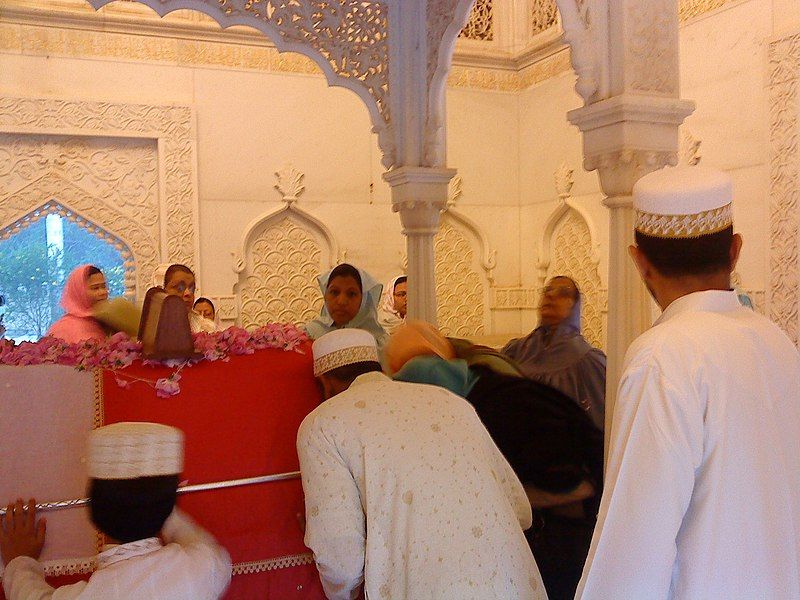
x=640, y=260
x=736, y=249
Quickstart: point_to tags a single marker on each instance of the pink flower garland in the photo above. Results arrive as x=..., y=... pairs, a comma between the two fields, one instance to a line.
x=119, y=351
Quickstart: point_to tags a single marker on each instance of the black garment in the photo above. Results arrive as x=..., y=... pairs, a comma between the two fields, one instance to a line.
x=546, y=438
x=553, y=445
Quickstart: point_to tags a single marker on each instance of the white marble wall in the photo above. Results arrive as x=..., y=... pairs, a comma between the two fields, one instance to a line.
x=507, y=145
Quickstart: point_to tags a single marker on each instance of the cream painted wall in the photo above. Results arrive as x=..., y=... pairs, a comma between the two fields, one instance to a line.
x=505, y=145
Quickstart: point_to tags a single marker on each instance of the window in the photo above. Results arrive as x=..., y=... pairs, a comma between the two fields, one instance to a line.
x=35, y=262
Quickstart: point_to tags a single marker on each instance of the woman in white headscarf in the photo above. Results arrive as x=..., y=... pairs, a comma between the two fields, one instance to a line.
x=351, y=299
x=394, y=303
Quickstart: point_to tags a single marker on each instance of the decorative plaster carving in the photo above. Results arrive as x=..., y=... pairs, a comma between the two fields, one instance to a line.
x=171, y=127
x=544, y=15
x=290, y=183
x=784, y=270
x=584, y=50
x=620, y=169
x=281, y=254
x=652, y=59
x=459, y=290
x=688, y=9
x=564, y=180
x=488, y=256
x=689, y=152
x=107, y=185
x=515, y=298
x=481, y=22
x=279, y=284
x=227, y=309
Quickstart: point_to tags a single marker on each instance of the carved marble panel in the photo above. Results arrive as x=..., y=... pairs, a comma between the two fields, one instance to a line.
x=279, y=283
x=481, y=22
x=108, y=185
x=544, y=15
x=138, y=159
x=571, y=255
x=784, y=205
x=460, y=290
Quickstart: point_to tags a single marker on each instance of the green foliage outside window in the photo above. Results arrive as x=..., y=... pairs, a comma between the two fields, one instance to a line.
x=32, y=275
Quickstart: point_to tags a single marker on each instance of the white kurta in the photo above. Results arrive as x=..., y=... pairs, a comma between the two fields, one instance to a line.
x=192, y=566
x=406, y=491
x=702, y=496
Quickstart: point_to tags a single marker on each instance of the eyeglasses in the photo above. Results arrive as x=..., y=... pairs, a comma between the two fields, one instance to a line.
x=559, y=291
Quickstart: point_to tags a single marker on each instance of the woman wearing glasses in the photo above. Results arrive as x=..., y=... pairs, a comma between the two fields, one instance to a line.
x=556, y=354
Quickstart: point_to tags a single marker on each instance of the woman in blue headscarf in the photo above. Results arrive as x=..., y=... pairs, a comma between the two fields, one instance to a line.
x=351, y=300
x=556, y=354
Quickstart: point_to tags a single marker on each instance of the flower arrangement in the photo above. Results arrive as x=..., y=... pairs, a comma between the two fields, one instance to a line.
x=118, y=351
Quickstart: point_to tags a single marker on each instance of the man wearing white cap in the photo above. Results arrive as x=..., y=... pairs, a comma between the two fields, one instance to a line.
x=702, y=496
x=406, y=494
x=134, y=470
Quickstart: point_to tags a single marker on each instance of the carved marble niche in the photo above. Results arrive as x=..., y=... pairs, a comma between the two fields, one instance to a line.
x=281, y=255
x=570, y=248
x=464, y=265
x=123, y=171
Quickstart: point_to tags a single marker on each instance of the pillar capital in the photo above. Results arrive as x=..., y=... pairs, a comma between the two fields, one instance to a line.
x=627, y=136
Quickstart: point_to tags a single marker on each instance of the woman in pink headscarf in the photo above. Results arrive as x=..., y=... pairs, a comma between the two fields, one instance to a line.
x=85, y=287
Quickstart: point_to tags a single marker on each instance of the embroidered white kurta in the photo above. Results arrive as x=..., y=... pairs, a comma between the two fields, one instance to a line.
x=702, y=496
x=406, y=492
x=191, y=566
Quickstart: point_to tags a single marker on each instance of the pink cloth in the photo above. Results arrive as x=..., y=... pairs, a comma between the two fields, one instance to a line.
x=78, y=324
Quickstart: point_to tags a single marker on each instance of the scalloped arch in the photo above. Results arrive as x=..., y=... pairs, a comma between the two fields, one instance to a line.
x=281, y=255
x=371, y=86
x=54, y=206
x=560, y=212
x=287, y=210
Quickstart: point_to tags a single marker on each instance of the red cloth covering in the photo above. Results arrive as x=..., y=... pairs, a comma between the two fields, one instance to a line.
x=240, y=419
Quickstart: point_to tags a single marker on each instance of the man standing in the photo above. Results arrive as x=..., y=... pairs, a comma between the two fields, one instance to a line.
x=405, y=491
x=702, y=496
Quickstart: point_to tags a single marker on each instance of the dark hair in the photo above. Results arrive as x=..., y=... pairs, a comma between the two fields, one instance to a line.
x=398, y=281
x=348, y=373
x=93, y=271
x=704, y=255
x=573, y=282
x=172, y=269
x=345, y=270
x=206, y=300
x=132, y=509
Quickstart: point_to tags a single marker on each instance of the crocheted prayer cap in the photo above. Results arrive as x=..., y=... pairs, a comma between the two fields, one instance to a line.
x=683, y=202
x=132, y=450
x=343, y=347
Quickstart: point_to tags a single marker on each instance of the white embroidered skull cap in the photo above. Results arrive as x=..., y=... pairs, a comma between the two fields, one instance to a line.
x=343, y=347
x=131, y=450
x=683, y=202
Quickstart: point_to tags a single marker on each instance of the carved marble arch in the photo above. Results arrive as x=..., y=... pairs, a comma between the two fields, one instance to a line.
x=52, y=194
x=569, y=248
x=281, y=255
x=316, y=29
x=464, y=271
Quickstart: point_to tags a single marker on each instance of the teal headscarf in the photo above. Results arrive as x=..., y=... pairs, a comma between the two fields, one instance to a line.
x=366, y=318
x=453, y=375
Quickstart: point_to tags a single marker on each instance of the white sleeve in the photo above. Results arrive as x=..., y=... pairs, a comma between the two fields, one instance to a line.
x=335, y=527
x=656, y=445
x=23, y=579
x=212, y=560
